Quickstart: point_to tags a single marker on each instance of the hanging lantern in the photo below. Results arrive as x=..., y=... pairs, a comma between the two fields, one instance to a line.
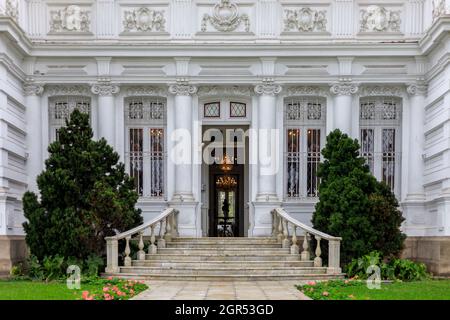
x=226, y=183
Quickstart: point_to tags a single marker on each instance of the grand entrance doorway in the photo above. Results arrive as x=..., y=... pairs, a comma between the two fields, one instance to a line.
x=225, y=180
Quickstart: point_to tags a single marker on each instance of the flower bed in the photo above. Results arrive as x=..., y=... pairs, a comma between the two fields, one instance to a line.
x=115, y=289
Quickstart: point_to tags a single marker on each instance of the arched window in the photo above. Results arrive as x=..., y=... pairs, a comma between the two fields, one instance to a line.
x=60, y=108
x=380, y=137
x=145, y=120
x=304, y=120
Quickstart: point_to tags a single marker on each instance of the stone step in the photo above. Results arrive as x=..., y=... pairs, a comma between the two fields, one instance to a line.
x=227, y=240
x=229, y=277
x=224, y=271
x=211, y=245
x=239, y=256
x=223, y=251
x=218, y=264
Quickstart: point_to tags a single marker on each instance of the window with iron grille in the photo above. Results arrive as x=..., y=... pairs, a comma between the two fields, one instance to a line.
x=211, y=110
x=145, y=122
x=238, y=110
x=380, y=138
x=304, y=120
x=60, y=108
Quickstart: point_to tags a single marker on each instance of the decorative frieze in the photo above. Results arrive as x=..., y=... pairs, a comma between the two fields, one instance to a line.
x=387, y=91
x=67, y=90
x=225, y=91
x=182, y=88
x=12, y=9
x=31, y=88
x=144, y=20
x=305, y=20
x=306, y=91
x=439, y=8
x=70, y=19
x=417, y=89
x=147, y=91
x=268, y=87
x=379, y=19
x=105, y=88
x=344, y=88
x=226, y=17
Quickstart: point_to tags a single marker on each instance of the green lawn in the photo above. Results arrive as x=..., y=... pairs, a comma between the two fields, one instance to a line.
x=418, y=290
x=30, y=290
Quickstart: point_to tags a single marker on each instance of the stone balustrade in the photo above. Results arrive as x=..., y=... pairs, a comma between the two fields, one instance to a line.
x=283, y=223
x=166, y=223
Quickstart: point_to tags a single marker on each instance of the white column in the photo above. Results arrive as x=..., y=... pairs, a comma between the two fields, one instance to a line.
x=106, y=110
x=182, y=151
x=267, y=141
x=33, y=93
x=415, y=191
x=342, y=105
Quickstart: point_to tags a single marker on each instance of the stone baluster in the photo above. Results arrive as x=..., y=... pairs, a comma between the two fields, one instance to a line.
x=112, y=255
x=274, y=224
x=318, y=259
x=305, y=252
x=161, y=241
x=286, y=242
x=174, y=224
x=168, y=233
x=152, y=249
x=294, y=247
x=127, y=260
x=334, y=247
x=280, y=229
x=141, y=252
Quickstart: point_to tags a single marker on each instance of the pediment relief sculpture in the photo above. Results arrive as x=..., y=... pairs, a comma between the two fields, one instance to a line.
x=70, y=19
x=144, y=19
x=226, y=17
x=305, y=20
x=378, y=19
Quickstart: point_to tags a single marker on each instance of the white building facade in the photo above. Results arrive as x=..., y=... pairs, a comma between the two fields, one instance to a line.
x=164, y=80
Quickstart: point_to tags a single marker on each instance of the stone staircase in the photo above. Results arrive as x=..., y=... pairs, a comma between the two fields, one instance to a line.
x=222, y=259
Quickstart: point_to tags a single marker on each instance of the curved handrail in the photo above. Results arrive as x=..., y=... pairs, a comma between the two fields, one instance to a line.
x=143, y=226
x=303, y=226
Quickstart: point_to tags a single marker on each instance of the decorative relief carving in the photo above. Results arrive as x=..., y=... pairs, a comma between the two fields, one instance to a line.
x=306, y=91
x=438, y=8
x=344, y=88
x=268, y=87
x=378, y=19
x=71, y=19
x=147, y=91
x=12, y=9
x=305, y=19
x=417, y=89
x=226, y=17
x=67, y=90
x=182, y=88
x=144, y=19
x=33, y=89
x=391, y=91
x=225, y=91
x=105, y=88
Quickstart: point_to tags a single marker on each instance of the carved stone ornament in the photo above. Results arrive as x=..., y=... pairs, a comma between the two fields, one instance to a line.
x=12, y=9
x=306, y=91
x=305, y=19
x=71, y=19
x=182, y=88
x=390, y=91
x=344, y=88
x=105, y=88
x=226, y=17
x=67, y=90
x=144, y=19
x=417, y=89
x=378, y=19
x=438, y=8
x=147, y=91
x=33, y=89
x=225, y=91
x=268, y=87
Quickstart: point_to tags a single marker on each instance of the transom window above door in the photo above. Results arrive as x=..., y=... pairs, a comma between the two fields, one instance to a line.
x=223, y=109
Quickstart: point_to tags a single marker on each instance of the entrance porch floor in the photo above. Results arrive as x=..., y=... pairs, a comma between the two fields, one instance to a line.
x=215, y=290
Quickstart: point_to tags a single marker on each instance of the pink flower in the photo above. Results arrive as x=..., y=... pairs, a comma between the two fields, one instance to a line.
x=142, y=282
x=311, y=283
x=346, y=281
x=131, y=291
x=105, y=289
x=325, y=293
x=108, y=296
x=85, y=295
x=110, y=278
x=115, y=288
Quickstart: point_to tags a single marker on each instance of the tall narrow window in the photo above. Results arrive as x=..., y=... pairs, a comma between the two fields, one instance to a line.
x=305, y=125
x=145, y=122
x=380, y=136
x=60, y=108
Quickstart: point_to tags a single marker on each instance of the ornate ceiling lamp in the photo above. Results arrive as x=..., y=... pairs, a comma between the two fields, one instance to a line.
x=226, y=182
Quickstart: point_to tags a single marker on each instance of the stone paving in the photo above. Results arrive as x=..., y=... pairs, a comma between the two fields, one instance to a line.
x=214, y=290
